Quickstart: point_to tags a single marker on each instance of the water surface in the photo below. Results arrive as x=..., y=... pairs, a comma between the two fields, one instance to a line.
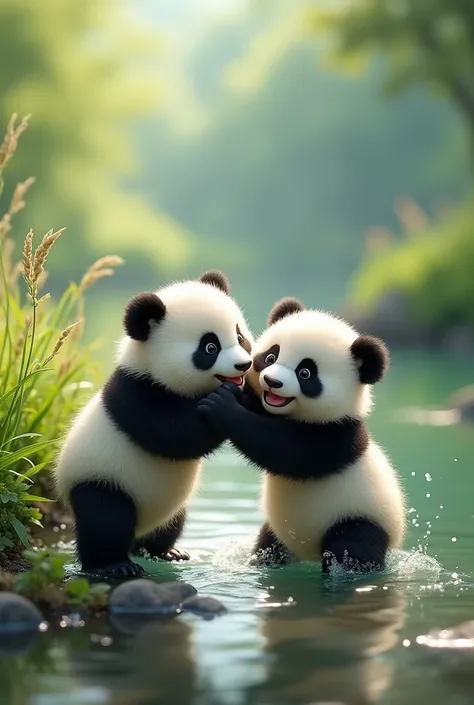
x=291, y=636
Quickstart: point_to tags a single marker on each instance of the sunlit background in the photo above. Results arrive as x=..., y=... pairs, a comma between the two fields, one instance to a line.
x=185, y=134
x=321, y=149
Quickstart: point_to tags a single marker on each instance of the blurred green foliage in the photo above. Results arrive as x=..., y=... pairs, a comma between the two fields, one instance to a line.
x=281, y=166
x=432, y=267
x=427, y=42
x=85, y=71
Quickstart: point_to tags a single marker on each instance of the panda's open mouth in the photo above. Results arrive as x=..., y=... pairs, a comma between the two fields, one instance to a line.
x=273, y=399
x=235, y=380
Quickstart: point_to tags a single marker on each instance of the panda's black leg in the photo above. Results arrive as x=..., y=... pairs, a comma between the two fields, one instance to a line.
x=160, y=543
x=269, y=550
x=105, y=519
x=356, y=544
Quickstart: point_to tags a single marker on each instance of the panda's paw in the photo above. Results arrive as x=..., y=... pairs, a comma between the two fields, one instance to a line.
x=125, y=569
x=175, y=554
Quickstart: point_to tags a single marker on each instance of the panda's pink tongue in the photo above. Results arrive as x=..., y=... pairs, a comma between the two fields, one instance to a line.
x=275, y=399
x=235, y=380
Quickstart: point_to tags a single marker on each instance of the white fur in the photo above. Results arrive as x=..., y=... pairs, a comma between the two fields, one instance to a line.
x=325, y=339
x=95, y=449
x=301, y=511
x=192, y=309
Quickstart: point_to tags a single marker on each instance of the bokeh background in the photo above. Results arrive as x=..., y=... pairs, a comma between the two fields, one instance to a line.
x=321, y=149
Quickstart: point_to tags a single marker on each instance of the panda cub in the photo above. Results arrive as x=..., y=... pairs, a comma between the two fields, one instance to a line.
x=329, y=492
x=132, y=458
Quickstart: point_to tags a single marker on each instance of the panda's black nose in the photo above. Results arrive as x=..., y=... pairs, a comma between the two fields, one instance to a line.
x=275, y=383
x=243, y=367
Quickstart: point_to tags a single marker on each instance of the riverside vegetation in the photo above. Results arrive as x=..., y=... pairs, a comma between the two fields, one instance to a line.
x=45, y=369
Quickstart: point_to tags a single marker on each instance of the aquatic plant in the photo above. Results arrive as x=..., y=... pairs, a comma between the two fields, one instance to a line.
x=44, y=584
x=45, y=370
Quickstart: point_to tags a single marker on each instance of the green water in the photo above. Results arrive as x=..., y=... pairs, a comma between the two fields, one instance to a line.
x=289, y=636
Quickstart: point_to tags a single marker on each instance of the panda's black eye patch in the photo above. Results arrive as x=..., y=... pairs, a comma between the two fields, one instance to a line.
x=266, y=358
x=207, y=352
x=307, y=374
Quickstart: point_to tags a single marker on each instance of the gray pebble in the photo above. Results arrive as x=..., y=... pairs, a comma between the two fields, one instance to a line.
x=178, y=591
x=147, y=597
x=206, y=607
x=17, y=614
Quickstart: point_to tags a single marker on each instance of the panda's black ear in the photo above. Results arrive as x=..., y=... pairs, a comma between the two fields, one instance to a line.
x=216, y=278
x=139, y=312
x=372, y=358
x=284, y=307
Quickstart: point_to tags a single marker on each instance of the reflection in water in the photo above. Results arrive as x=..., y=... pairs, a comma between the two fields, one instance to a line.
x=337, y=653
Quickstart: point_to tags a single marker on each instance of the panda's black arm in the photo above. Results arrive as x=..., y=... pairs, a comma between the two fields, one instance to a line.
x=282, y=446
x=157, y=420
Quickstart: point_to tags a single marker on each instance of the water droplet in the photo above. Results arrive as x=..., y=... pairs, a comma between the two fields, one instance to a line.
x=406, y=642
x=43, y=627
x=428, y=494
x=455, y=575
x=441, y=506
x=428, y=477
x=413, y=474
x=454, y=539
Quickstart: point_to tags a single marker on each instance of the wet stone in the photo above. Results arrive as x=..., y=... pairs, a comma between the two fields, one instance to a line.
x=178, y=591
x=147, y=597
x=17, y=614
x=206, y=607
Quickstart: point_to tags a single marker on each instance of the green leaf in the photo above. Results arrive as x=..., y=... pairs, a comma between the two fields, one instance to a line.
x=23, y=435
x=20, y=531
x=78, y=588
x=22, y=454
x=27, y=497
x=6, y=497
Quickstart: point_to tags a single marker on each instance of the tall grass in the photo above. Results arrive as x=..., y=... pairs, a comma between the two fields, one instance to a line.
x=45, y=371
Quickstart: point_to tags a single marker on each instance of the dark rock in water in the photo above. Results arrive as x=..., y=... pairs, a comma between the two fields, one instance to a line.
x=178, y=591
x=207, y=607
x=147, y=597
x=463, y=401
x=391, y=319
x=17, y=614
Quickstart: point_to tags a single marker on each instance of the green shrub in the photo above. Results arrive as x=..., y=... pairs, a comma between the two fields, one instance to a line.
x=432, y=267
x=44, y=583
x=45, y=372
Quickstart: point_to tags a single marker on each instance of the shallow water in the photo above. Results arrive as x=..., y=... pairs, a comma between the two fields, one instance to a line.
x=290, y=636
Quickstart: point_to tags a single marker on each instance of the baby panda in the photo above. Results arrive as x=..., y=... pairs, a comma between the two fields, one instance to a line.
x=132, y=458
x=329, y=492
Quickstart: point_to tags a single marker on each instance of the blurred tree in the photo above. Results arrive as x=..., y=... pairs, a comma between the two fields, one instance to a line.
x=287, y=164
x=428, y=42
x=84, y=72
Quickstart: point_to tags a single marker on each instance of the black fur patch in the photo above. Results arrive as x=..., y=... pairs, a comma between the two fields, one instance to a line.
x=159, y=421
x=260, y=360
x=284, y=307
x=269, y=550
x=139, y=311
x=105, y=519
x=214, y=277
x=207, y=352
x=301, y=451
x=243, y=342
x=372, y=358
x=356, y=544
x=311, y=386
